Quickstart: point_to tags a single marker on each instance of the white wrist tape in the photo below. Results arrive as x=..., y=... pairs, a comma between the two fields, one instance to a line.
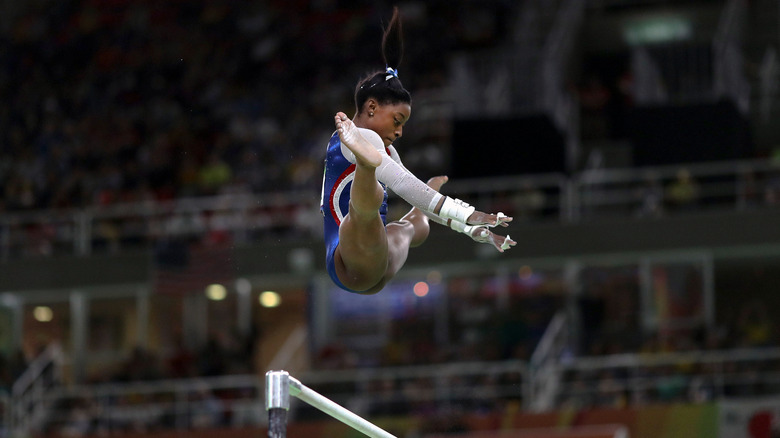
x=461, y=227
x=506, y=244
x=456, y=209
x=467, y=229
x=499, y=219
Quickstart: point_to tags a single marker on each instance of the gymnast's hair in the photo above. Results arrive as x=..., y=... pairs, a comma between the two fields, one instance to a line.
x=384, y=85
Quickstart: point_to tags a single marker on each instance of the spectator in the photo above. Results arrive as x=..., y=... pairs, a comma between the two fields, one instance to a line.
x=754, y=326
x=214, y=174
x=683, y=192
x=651, y=196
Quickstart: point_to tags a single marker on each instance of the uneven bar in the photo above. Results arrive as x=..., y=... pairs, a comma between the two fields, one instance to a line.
x=280, y=385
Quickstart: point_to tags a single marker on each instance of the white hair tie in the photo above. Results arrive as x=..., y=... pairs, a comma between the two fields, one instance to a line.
x=391, y=72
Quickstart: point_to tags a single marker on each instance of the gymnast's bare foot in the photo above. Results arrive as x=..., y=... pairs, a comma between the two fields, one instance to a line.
x=437, y=181
x=365, y=153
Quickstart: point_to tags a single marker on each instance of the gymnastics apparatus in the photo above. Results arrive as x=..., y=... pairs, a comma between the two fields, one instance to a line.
x=279, y=386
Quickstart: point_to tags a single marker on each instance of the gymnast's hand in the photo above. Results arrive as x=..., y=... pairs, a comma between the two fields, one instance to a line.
x=491, y=220
x=484, y=235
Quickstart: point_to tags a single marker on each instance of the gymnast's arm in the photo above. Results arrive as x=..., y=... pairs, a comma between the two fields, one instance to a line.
x=479, y=233
x=419, y=194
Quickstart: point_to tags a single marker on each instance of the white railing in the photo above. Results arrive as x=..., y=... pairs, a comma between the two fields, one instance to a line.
x=648, y=86
x=730, y=80
x=544, y=378
x=693, y=376
x=528, y=77
x=685, y=71
x=557, y=100
x=111, y=228
x=497, y=83
x=28, y=391
x=625, y=192
x=237, y=401
x=636, y=378
x=650, y=192
x=207, y=402
x=376, y=391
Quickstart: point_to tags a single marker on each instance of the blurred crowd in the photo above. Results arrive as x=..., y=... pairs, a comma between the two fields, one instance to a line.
x=120, y=101
x=168, y=381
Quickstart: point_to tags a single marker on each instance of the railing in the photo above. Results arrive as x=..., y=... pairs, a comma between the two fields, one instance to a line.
x=675, y=189
x=225, y=401
x=695, y=376
x=415, y=389
x=527, y=77
x=108, y=229
x=28, y=391
x=729, y=80
x=545, y=381
x=625, y=379
x=648, y=86
x=558, y=101
x=629, y=192
x=685, y=71
x=497, y=83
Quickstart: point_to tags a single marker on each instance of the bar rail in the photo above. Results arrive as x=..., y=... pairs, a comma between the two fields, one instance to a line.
x=280, y=386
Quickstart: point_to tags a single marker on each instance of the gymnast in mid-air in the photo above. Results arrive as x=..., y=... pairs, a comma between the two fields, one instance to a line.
x=364, y=252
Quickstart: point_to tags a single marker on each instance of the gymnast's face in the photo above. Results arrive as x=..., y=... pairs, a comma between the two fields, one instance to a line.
x=387, y=119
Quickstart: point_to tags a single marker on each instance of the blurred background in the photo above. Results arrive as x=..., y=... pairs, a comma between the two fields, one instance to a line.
x=161, y=244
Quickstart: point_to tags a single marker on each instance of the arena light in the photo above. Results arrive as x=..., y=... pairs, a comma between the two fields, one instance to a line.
x=43, y=313
x=434, y=277
x=421, y=289
x=657, y=29
x=270, y=299
x=216, y=292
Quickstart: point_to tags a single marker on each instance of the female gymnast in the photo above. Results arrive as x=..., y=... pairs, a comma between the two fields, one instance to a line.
x=364, y=252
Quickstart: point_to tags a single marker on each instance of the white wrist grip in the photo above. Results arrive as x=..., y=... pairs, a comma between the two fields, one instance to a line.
x=456, y=209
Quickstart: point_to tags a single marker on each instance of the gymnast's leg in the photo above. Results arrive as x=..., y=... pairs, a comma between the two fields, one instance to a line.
x=361, y=257
x=408, y=232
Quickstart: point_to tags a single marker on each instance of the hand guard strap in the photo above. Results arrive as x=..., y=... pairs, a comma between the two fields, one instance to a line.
x=456, y=210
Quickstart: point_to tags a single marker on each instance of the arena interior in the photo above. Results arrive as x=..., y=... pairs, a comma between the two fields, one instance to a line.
x=161, y=242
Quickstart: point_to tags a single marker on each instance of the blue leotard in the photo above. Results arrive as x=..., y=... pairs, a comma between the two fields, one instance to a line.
x=334, y=200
